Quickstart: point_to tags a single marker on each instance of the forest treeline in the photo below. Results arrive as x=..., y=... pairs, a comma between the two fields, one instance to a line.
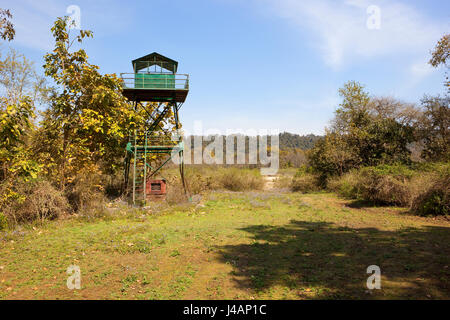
x=292, y=147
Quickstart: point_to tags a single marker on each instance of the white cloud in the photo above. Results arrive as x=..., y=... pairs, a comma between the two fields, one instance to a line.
x=33, y=19
x=339, y=30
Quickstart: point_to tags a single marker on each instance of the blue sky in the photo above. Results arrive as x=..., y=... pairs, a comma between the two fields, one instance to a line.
x=267, y=64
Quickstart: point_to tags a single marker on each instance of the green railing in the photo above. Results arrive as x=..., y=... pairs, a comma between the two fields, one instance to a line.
x=155, y=81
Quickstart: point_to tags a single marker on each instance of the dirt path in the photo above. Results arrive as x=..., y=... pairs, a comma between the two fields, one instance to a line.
x=269, y=182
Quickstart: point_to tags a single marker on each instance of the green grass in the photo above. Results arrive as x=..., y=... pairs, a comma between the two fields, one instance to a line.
x=289, y=246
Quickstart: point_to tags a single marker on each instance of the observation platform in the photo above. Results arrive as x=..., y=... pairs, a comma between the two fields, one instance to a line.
x=155, y=79
x=155, y=87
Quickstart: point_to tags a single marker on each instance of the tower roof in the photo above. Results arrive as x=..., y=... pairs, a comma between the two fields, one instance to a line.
x=155, y=59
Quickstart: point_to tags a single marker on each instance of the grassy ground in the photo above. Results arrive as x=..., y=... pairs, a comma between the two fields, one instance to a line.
x=250, y=245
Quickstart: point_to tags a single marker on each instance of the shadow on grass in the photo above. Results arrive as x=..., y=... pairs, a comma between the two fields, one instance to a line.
x=321, y=260
x=361, y=204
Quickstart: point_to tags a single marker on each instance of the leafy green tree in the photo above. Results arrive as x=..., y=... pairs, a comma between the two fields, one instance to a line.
x=15, y=124
x=332, y=155
x=435, y=123
x=16, y=111
x=87, y=124
x=365, y=131
x=353, y=112
x=435, y=128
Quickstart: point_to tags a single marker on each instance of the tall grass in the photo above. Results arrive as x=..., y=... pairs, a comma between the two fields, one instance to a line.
x=235, y=179
x=305, y=181
x=422, y=187
x=202, y=178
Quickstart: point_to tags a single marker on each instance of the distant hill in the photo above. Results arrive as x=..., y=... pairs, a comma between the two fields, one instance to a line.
x=288, y=141
x=292, y=147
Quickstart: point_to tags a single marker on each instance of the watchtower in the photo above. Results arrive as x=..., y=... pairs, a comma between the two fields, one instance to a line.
x=156, y=83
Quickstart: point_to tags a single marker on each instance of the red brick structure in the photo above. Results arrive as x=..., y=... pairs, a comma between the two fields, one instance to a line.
x=156, y=189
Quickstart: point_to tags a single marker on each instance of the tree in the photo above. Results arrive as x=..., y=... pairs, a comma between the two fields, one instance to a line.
x=435, y=128
x=7, y=31
x=365, y=132
x=19, y=79
x=88, y=117
x=379, y=128
x=440, y=55
x=332, y=155
x=86, y=127
x=16, y=111
x=352, y=113
x=441, y=52
x=15, y=125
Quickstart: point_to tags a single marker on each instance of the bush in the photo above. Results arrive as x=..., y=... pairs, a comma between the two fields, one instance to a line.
x=384, y=186
x=3, y=222
x=201, y=179
x=435, y=200
x=346, y=185
x=420, y=186
x=26, y=201
x=389, y=185
x=235, y=179
x=85, y=193
x=305, y=182
x=175, y=191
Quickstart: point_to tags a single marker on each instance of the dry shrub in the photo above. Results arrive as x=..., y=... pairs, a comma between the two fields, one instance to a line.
x=383, y=189
x=175, y=192
x=85, y=193
x=434, y=200
x=201, y=179
x=26, y=201
x=197, y=183
x=396, y=185
x=283, y=182
x=3, y=222
x=235, y=179
x=388, y=185
x=305, y=182
x=345, y=185
x=113, y=186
